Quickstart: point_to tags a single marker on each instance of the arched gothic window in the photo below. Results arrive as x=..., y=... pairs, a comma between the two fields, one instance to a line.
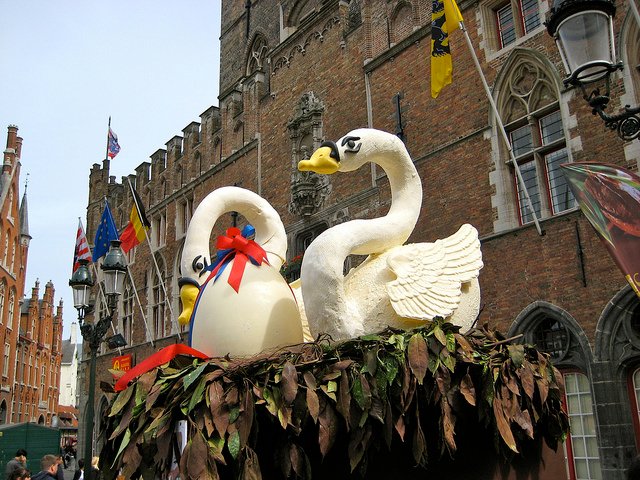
x=401, y=21
x=7, y=244
x=554, y=331
x=12, y=306
x=158, y=299
x=10, y=211
x=198, y=161
x=528, y=101
x=257, y=55
x=3, y=412
x=2, y=291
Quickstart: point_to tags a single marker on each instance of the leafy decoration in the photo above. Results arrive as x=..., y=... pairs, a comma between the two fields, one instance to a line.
x=281, y=415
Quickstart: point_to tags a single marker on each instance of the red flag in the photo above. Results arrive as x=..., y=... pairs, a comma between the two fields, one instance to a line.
x=82, y=251
x=609, y=196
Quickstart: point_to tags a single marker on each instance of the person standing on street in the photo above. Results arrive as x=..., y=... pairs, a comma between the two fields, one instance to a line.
x=20, y=474
x=20, y=461
x=49, y=468
x=79, y=473
x=60, y=472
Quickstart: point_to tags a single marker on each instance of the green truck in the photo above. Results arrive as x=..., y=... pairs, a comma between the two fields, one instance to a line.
x=37, y=440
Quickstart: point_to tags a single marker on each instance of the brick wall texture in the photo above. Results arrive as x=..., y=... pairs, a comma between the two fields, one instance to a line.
x=364, y=52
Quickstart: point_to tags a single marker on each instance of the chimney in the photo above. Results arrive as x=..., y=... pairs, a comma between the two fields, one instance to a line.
x=12, y=136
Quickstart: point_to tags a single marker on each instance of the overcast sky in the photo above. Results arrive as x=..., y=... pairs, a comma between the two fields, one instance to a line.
x=152, y=65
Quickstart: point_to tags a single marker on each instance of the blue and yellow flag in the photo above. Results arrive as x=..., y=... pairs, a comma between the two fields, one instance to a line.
x=445, y=18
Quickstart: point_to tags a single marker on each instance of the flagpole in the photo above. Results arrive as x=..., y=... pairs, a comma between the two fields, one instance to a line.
x=155, y=262
x=144, y=317
x=501, y=128
x=164, y=290
x=106, y=155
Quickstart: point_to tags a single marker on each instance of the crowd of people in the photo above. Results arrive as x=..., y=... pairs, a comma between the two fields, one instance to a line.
x=51, y=468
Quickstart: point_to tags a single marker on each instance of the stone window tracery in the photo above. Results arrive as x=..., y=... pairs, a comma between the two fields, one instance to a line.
x=257, y=55
x=529, y=108
x=554, y=331
x=308, y=189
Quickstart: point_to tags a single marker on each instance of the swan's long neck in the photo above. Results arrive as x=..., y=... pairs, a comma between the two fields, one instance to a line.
x=324, y=259
x=270, y=232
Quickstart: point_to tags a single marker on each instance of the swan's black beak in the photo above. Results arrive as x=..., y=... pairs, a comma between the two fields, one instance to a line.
x=325, y=159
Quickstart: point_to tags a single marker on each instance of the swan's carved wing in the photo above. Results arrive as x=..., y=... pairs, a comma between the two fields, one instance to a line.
x=430, y=275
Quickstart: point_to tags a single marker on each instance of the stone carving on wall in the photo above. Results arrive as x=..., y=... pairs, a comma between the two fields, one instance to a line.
x=308, y=190
x=317, y=36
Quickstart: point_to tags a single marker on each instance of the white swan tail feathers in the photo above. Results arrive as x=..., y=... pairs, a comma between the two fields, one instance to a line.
x=430, y=276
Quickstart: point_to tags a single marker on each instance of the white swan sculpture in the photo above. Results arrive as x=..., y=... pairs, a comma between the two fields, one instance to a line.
x=263, y=312
x=398, y=285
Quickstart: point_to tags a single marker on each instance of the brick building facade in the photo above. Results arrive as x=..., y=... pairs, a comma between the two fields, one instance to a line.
x=294, y=73
x=31, y=329
x=39, y=358
x=14, y=246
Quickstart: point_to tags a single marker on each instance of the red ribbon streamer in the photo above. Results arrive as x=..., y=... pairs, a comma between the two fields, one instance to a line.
x=159, y=358
x=243, y=250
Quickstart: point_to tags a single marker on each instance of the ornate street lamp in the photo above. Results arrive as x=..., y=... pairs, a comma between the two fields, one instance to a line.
x=583, y=31
x=114, y=267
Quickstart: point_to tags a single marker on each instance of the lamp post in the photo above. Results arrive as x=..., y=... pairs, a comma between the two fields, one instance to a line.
x=583, y=31
x=114, y=267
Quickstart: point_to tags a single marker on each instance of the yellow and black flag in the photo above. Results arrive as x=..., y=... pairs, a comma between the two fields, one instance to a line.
x=445, y=18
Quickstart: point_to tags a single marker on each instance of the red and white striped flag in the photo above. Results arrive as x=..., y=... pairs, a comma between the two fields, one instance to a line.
x=82, y=251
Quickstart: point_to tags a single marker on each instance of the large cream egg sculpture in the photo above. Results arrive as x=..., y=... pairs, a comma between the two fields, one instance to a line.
x=237, y=304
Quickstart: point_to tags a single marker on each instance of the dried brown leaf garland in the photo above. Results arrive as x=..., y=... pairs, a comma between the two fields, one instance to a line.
x=283, y=413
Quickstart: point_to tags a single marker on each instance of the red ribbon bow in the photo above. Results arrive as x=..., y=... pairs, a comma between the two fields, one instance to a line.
x=241, y=250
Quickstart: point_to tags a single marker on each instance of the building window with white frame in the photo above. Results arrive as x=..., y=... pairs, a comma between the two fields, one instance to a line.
x=43, y=377
x=185, y=212
x=581, y=447
x=7, y=242
x=515, y=19
x=159, y=230
x=5, y=365
x=157, y=307
x=540, y=148
x=11, y=310
x=13, y=259
x=10, y=210
x=532, y=116
x=2, y=290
